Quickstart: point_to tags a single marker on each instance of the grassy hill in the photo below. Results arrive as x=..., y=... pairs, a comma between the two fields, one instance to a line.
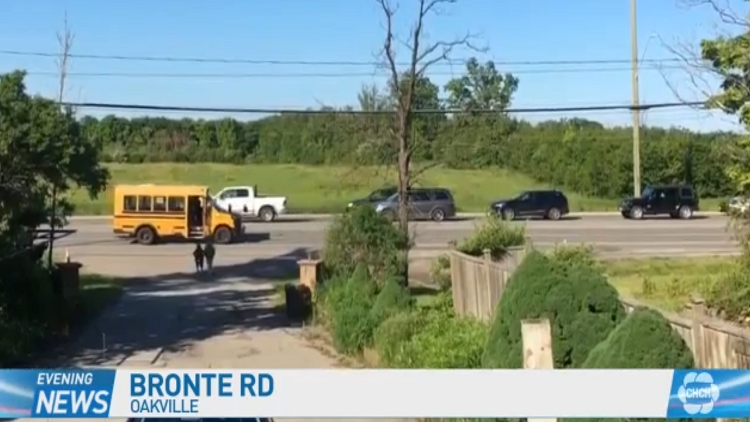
x=313, y=189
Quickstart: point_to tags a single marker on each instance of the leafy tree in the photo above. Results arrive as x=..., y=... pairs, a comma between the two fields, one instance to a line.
x=481, y=88
x=41, y=147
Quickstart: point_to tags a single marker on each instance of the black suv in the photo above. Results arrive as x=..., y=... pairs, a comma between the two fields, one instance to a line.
x=550, y=204
x=678, y=201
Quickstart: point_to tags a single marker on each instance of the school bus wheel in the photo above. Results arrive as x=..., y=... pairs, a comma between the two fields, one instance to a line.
x=145, y=235
x=223, y=235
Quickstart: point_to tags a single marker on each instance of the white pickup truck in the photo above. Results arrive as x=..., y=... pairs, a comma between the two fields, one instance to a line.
x=245, y=201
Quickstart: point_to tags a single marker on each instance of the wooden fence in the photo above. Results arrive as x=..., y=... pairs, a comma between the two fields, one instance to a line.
x=478, y=285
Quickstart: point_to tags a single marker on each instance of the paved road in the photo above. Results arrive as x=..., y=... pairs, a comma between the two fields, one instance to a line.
x=94, y=244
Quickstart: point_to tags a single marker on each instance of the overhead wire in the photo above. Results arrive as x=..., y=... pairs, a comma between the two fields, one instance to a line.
x=453, y=62
x=253, y=75
x=154, y=107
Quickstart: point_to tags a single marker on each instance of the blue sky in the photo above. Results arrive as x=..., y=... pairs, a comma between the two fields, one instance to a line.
x=351, y=30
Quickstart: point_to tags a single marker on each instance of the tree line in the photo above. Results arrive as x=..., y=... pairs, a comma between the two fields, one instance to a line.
x=576, y=154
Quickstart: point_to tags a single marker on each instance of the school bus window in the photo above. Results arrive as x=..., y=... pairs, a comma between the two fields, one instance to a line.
x=144, y=203
x=160, y=203
x=176, y=203
x=130, y=203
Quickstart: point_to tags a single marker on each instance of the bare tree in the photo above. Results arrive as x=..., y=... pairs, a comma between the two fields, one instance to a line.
x=65, y=40
x=422, y=55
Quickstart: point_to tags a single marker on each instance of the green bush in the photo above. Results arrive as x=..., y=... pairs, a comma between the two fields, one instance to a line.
x=394, y=333
x=494, y=234
x=579, y=302
x=440, y=272
x=575, y=255
x=361, y=236
x=441, y=341
x=644, y=340
x=350, y=304
x=327, y=296
x=730, y=294
x=392, y=299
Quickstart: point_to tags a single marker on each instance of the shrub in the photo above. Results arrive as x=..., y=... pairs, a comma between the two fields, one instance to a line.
x=362, y=236
x=494, y=234
x=644, y=340
x=442, y=342
x=575, y=254
x=392, y=299
x=350, y=303
x=440, y=273
x=730, y=294
x=326, y=297
x=579, y=302
x=395, y=332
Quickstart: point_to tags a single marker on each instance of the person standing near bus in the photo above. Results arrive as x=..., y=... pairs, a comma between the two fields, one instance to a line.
x=210, y=253
x=199, y=257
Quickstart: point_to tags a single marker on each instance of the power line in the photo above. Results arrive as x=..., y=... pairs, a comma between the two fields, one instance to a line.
x=148, y=107
x=235, y=75
x=176, y=59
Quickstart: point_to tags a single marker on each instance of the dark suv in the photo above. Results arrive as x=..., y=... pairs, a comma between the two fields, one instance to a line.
x=550, y=204
x=434, y=204
x=677, y=201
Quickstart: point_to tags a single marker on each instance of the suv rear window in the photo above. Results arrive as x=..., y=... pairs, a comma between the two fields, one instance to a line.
x=686, y=193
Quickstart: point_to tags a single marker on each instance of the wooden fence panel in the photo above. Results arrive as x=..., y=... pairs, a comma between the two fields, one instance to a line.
x=479, y=283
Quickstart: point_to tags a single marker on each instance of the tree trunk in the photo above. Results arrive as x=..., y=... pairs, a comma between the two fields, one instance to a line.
x=404, y=182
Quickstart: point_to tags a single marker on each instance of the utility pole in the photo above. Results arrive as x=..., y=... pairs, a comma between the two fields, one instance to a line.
x=636, y=101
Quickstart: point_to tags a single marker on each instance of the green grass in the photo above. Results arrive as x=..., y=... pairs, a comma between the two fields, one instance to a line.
x=328, y=189
x=666, y=283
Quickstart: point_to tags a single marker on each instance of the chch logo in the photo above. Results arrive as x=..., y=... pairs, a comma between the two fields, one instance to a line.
x=698, y=393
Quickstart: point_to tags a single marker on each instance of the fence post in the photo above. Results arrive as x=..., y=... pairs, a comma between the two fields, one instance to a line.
x=537, y=349
x=486, y=292
x=696, y=331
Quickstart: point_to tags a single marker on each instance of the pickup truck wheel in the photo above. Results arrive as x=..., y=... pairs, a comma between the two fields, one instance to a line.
x=223, y=235
x=145, y=235
x=267, y=214
x=685, y=212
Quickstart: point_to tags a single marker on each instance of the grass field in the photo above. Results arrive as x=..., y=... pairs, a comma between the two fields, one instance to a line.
x=328, y=189
x=667, y=283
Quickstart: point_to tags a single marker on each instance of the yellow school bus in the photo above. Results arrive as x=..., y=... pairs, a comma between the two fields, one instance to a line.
x=153, y=212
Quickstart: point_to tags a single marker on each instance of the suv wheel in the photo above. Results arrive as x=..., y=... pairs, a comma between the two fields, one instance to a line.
x=636, y=213
x=437, y=215
x=509, y=214
x=685, y=212
x=554, y=214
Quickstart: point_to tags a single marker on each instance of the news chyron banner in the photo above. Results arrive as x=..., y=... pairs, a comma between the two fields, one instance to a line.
x=317, y=393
